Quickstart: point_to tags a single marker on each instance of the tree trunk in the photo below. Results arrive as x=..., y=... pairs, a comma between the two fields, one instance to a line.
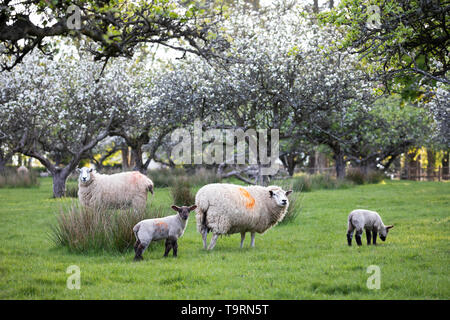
x=312, y=162
x=138, y=162
x=340, y=165
x=125, y=164
x=3, y=165
x=59, y=183
x=445, y=164
x=289, y=163
x=431, y=158
x=316, y=6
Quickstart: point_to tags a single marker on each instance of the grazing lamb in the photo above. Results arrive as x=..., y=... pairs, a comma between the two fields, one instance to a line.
x=227, y=209
x=370, y=221
x=170, y=228
x=22, y=170
x=120, y=190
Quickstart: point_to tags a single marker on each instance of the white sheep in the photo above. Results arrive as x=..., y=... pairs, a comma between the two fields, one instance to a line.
x=227, y=209
x=370, y=221
x=120, y=190
x=22, y=170
x=170, y=228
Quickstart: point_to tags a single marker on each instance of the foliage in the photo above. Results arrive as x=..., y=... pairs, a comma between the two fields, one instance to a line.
x=405, y=42
x=112, y=28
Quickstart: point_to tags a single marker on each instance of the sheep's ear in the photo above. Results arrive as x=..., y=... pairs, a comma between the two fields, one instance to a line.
x=174, y=207
x=192, y=207
x=271, y=193
x=389, y=227
x=90, y=169
x=78, y=170
x=288, y=192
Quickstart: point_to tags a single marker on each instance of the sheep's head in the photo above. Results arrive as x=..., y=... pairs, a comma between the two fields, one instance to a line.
x=279, y=196
x=85, y=175
x=184, y=211
x=384, y=231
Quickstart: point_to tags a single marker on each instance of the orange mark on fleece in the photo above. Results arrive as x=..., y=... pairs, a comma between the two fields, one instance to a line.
x=250, y=203
x=161, y=224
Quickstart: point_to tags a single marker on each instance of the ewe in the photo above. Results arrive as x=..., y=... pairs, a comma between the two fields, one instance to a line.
x=120, y=190
x=227, y=209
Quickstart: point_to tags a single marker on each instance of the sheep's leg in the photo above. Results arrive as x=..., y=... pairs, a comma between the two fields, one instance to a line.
x=136, y=244
x=350, y=231
x=169, y=245
x=358, y=237
x=175, y=248
x=252, y=241
x=242, y=239
x=204, y=237
x=140, y=250
x=212, y=244
x=374, y=238
x=368, y=236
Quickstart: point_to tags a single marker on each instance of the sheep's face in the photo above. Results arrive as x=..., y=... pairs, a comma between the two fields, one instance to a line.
x=183, y=211
x=384, y=231
x=280, y=197
x=85, y=175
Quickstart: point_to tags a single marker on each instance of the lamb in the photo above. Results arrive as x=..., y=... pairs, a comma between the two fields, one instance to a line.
x=227, y=209
x=365, y=219
x=120, y=190
x=22, y=170
x=170, y=228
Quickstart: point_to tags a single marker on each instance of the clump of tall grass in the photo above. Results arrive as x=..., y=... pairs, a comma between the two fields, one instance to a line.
x=181, y=192
x=11, y=179
x=82, y=229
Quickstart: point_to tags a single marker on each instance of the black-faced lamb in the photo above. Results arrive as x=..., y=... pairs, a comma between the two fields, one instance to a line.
x=170, y=228
x=120, y=190
x=228, y=208
x=370, y=221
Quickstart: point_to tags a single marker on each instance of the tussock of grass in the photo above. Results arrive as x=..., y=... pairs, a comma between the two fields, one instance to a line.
x=181, y=192
x=83, y=229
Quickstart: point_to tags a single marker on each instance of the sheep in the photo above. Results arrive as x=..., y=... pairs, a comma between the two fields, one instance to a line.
x=170, y=228
x=22, y=170
x=226, y=209
x=120, y=190
x=370, y=221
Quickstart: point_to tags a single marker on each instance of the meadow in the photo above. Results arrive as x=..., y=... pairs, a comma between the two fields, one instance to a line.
x=307, y=258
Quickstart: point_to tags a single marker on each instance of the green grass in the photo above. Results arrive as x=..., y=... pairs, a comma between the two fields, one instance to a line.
x=305, y=259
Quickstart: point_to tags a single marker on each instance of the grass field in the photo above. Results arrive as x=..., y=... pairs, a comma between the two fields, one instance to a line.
x=306, y=259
